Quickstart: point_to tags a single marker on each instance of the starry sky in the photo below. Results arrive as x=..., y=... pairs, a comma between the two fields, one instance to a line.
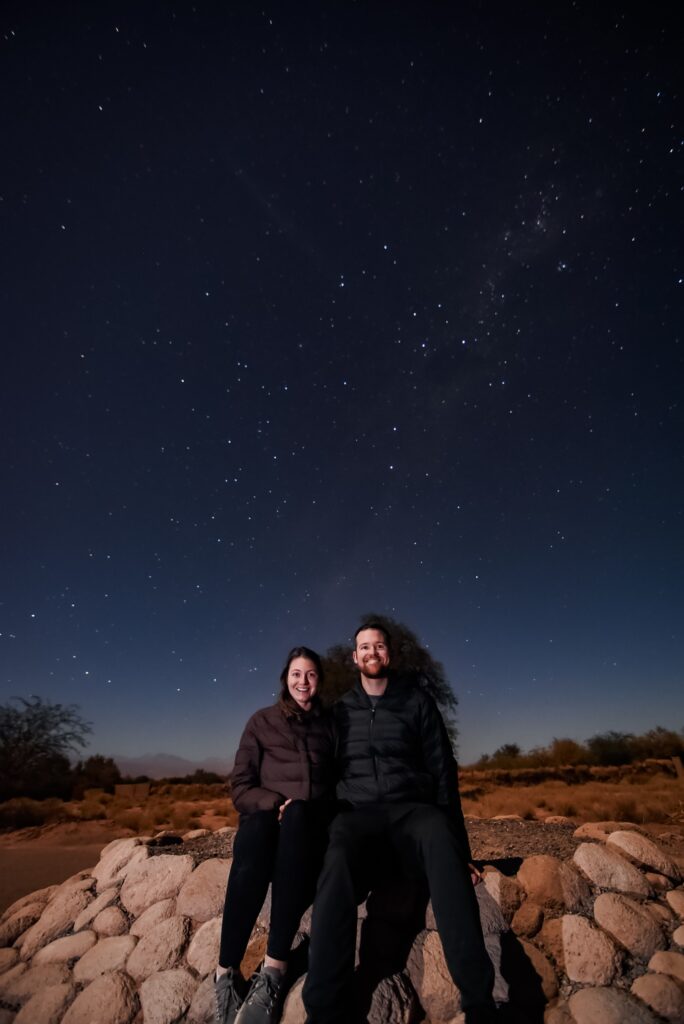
x=319, y=308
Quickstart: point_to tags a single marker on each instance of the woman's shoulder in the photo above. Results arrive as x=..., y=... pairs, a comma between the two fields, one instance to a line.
x=269, y=716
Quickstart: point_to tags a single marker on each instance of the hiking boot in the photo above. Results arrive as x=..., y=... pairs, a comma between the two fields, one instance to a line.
x=228, y=998
x=263, y=1002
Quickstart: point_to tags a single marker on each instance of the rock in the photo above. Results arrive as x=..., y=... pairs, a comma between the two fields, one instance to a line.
x=94, y=908
x=660, y=912
x=676, y=901
x=113, y=858
x=550, y=882
x=110, y=999
x=609, y=870
x=58, y=915
x=394, y=1002
x=203, y=1006
x=203, y=894
x=12, y=928
x=630, y=924
x=40, y=896
x=166, y=996
x=430, y=978
x=6, y=1016
x=197, y=833
x=293, y=1010
x=71, y=947
x=507, y=817
x=8, y=957
x=559, y=1013
x=159, y=949
x=587, y=955
x=551, y=937
x=152, y=916
x=110, y=921
x=108, y=955
x=607, y=1006
x=558, y=819
x=506, y=891
x=602, y=829
x=47, y=1006
x=668, y=963
x=658, y=882
x=203, y=951
x=19, y=989
x=644, y=852
x=528, y=918
x=542, y=968
x=153, y=880
x=662, y=994
x=678, y=935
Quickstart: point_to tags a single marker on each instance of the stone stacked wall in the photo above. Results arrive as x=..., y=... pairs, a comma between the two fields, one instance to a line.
x=597, y=939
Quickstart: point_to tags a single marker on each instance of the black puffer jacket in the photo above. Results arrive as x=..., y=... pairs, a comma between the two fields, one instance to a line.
x=282, y=758
x=397, y=752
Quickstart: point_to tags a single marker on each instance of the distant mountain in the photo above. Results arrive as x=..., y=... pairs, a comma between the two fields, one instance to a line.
x=160, y=766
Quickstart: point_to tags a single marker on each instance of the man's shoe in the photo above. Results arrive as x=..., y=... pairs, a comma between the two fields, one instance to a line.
x=228, y=997
x=263, y=1002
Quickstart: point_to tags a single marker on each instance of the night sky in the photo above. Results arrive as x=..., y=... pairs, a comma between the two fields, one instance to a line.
x=314, y=309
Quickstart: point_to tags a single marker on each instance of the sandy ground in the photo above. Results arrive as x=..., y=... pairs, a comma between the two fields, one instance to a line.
x=32, y=858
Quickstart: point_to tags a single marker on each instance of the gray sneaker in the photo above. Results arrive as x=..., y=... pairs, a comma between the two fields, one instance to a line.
x=228, y=998
x=263, y=1002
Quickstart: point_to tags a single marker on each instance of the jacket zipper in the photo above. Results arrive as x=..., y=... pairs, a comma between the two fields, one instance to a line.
x=372, y=746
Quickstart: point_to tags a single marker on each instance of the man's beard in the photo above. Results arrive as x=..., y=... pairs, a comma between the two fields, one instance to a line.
x=378, y=671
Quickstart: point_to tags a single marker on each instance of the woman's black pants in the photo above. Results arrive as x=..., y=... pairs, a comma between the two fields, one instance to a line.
x=289, y=855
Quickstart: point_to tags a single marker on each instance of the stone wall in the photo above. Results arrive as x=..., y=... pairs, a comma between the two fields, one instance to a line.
x=597, y=939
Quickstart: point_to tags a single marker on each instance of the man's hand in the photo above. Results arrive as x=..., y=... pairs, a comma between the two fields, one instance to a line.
x=475, y=875
x=281, y=809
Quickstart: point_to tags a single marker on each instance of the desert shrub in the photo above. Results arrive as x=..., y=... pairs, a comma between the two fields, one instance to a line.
x=181, y=817
x=131, y=818
x=92, y=810
x=22, y=812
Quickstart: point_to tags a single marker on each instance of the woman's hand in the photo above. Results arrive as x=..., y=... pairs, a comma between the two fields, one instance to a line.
x=475, y=875
x=281, y=809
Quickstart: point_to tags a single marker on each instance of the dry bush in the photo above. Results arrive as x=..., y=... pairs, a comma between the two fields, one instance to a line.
x=658, y=799
x=93, y=810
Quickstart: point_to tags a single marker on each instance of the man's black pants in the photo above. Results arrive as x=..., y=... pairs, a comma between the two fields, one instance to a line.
x=422, y=840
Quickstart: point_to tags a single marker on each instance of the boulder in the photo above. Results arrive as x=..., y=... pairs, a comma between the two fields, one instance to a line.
x=660, y=912
x=197, y=833
x=609, y=870
x=14, y=926
x=203, y=1006
x=506, y=891
x=607, y=1006
x=40, y=896
x=630, y=924
x=528, y=918
x=584, y=952
x=203, y=951
x=8, y=958
x=203, y=894
x=394, y=1002
x=17, y=989
x=552, y=883
x=293, y=1009
x=662, y=994
x=71, y=947
x=113, y=858
x=110, y=999
x=47, y=1006
x=644, y=852
x=668, y=963
x=676, y=900
x=94, y=908
x=600, y=830
x=110, y=921
x=658, y=882
x=152, y=916
x=542, y=968
x=166, y=996
x=58, y=916
x=153, y=880
x=159, y=949
x=430, y=978
x=678, y=935
x=106, y=956
x=559, y=1013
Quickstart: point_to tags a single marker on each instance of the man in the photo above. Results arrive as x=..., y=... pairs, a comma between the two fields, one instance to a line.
x=399, y=793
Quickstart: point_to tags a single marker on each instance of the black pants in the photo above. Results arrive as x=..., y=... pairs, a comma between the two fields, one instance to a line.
x=288, y=855
x=421, y=838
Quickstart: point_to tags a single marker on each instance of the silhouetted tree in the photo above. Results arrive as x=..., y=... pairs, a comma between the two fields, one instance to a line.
x=408, y=658
x=96, y=772
x=611, y=748
x=35, y=739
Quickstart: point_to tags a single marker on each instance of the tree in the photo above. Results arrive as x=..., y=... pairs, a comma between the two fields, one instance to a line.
x=611, y=748
x=96, y=772
x=408, y=658
x=35, y=740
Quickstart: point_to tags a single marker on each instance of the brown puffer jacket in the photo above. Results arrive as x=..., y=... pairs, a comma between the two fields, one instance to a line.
x=281, y=758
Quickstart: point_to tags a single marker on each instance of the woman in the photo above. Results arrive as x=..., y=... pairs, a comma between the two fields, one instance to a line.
x=283, y=787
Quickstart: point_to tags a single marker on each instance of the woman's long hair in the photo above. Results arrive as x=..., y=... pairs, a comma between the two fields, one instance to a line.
x=286, y=703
